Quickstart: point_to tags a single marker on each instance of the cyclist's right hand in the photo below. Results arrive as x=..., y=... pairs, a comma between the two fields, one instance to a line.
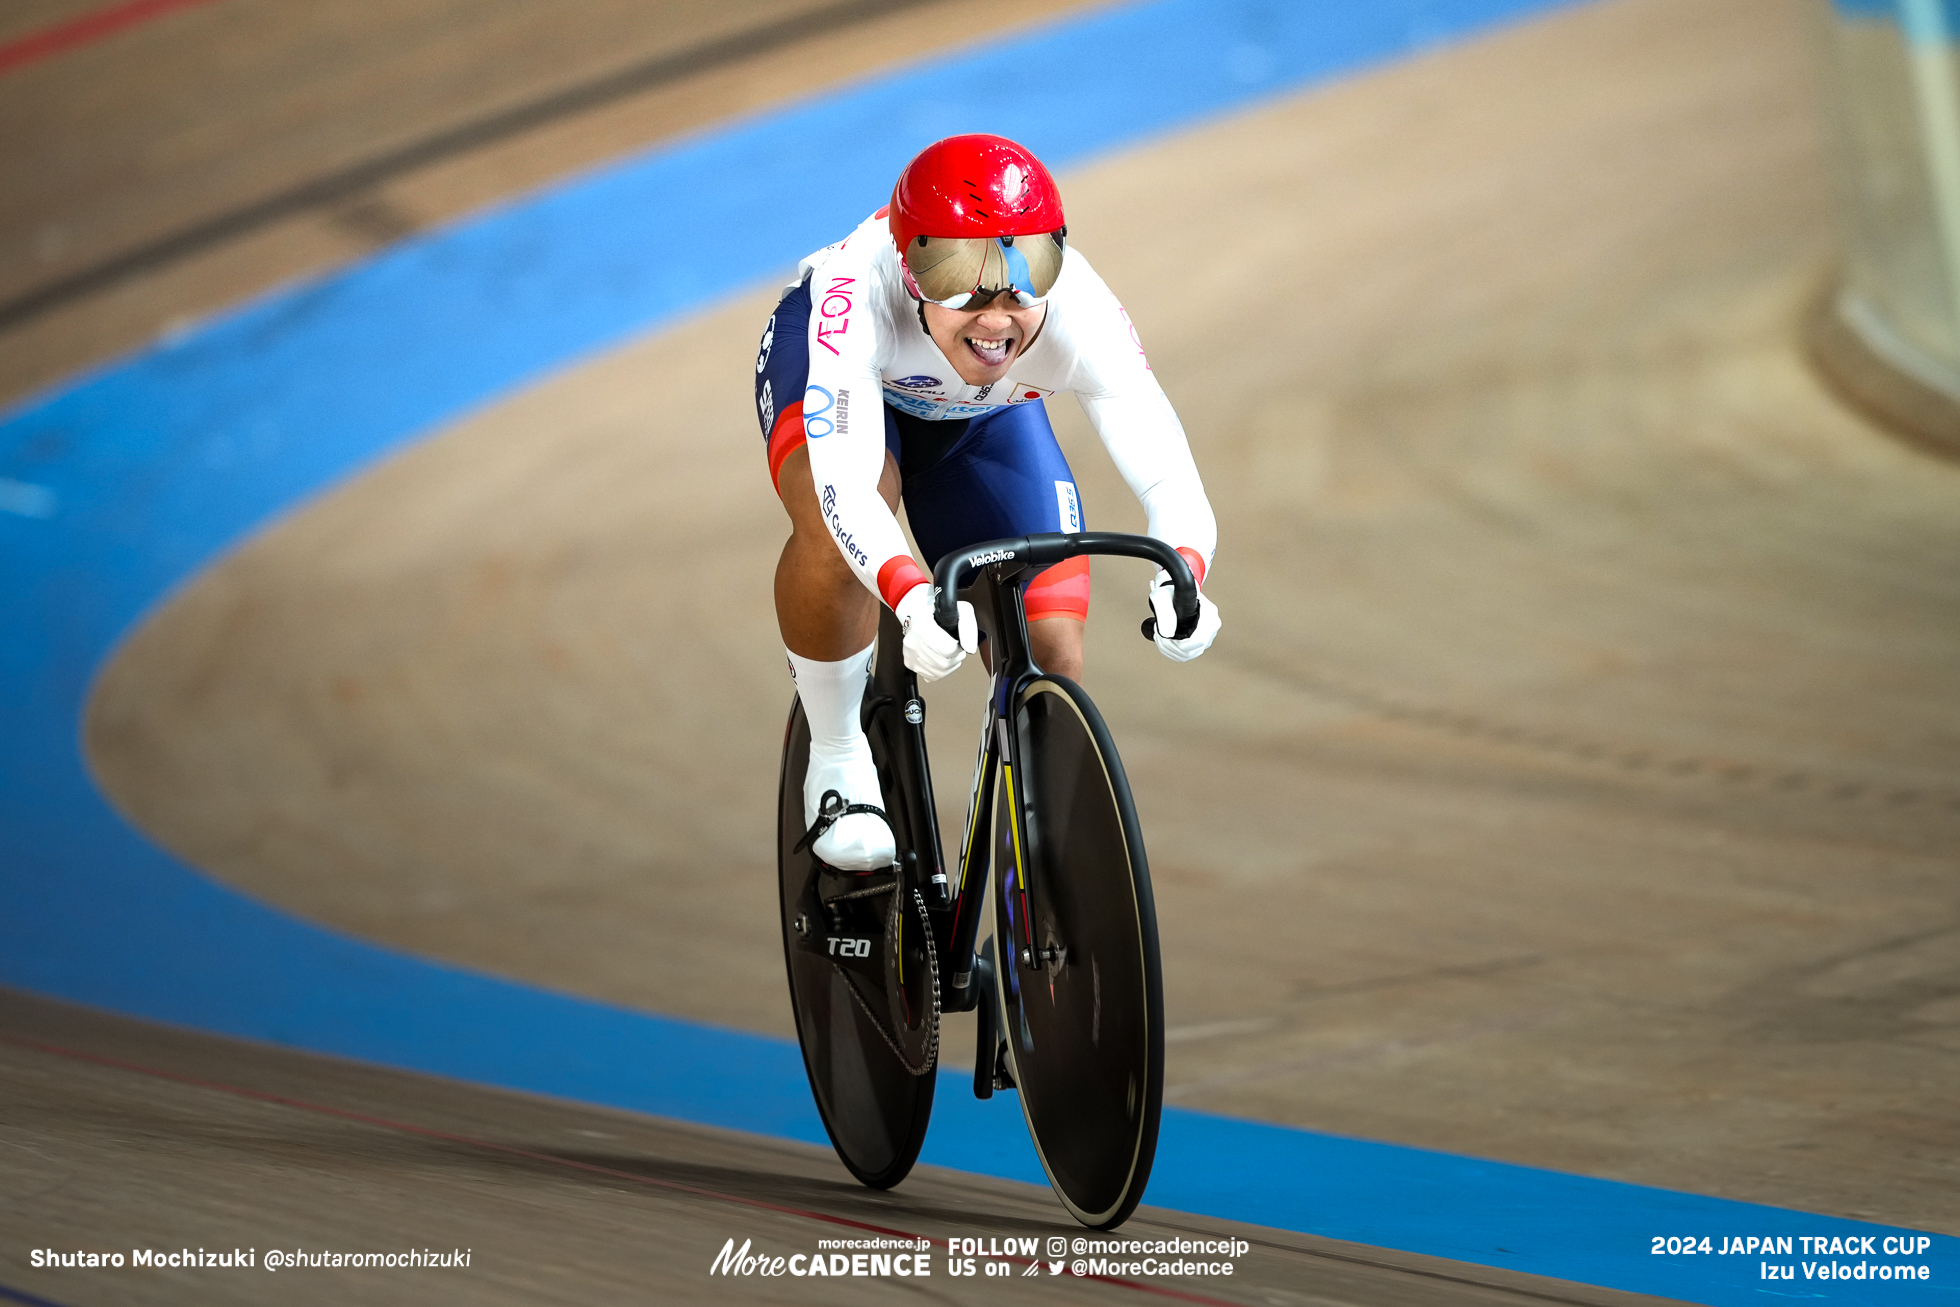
x=929, y=651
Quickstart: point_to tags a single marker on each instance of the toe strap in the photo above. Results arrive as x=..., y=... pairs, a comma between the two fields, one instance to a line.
x=830, y=810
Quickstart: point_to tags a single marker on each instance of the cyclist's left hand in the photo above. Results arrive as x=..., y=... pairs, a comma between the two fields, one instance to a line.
x=1199, y=640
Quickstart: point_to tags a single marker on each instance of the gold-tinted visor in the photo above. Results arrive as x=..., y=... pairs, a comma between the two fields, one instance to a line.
x=954, y=271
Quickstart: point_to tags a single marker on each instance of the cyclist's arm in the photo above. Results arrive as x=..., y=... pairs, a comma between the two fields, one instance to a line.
x=1146, y=442
x=844, y=422
x=1138, y=426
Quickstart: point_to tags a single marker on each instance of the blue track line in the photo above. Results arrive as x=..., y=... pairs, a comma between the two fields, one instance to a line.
x=21, y=1296
x=118, y=486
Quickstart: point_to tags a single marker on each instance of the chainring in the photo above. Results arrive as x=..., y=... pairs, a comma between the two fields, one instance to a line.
x=916, y=1046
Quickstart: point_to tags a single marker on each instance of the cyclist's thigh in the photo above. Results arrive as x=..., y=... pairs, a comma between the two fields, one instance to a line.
x=782, y=372
x=1006, y=477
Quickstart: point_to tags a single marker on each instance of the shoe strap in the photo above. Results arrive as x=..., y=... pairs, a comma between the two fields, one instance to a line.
x=830, y=810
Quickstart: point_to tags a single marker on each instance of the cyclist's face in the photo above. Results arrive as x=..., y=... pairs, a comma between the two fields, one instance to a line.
x=981, y=343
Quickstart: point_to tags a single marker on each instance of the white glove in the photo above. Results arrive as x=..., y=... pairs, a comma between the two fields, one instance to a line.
x=929, y=651
x=1183, y=651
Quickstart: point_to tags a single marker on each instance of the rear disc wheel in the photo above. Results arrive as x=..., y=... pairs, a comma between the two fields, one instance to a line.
x=863, y=983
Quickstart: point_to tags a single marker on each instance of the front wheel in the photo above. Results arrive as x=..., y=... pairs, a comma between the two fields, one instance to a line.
x=1080, y=980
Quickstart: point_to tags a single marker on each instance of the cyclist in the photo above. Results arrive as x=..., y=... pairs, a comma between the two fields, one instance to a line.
x=912, y=359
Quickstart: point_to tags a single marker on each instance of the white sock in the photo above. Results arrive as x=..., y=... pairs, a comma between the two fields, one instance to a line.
x=840, y=759
x=833, y=695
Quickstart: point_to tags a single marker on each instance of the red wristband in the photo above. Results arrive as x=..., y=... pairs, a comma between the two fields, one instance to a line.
x=897, y=577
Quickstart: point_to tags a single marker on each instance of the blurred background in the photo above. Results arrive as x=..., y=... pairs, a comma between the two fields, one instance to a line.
x=1576, y=781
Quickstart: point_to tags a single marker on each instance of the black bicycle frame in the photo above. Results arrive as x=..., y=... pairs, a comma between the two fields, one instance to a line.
x=895, y=691
x=987, y=572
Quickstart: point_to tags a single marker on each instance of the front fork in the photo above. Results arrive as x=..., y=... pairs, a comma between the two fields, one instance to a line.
x=973, y=986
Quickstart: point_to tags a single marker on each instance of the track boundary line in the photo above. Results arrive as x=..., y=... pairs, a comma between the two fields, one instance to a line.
x=498, y=125
x=512, y=1150
x=82, y=29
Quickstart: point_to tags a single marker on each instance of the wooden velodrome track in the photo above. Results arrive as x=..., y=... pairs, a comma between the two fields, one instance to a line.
x=1575, y=782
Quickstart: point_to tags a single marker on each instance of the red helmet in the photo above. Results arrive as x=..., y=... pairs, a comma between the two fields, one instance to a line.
x=972, y=189
x=976, y=185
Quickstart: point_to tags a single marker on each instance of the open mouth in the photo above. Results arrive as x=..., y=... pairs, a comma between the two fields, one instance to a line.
x=992, y=352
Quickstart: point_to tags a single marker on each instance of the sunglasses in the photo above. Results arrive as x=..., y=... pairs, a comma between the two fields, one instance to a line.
x=957, y=272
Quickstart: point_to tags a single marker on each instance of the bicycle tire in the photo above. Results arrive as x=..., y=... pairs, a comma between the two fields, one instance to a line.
x=1089, y=1060
x=874, y=1107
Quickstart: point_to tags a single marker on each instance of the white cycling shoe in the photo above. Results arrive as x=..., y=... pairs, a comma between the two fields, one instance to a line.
x=856, y=841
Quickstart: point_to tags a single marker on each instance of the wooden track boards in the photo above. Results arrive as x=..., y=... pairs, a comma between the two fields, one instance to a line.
x=178, y=166
x=1570, y=785
x=179, y=1140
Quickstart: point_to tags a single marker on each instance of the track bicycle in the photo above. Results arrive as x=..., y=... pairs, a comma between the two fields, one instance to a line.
x=1068, y=987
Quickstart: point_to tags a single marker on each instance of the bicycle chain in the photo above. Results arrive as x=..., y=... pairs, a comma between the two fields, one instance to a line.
x=931, y=1058
x=872, y=892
